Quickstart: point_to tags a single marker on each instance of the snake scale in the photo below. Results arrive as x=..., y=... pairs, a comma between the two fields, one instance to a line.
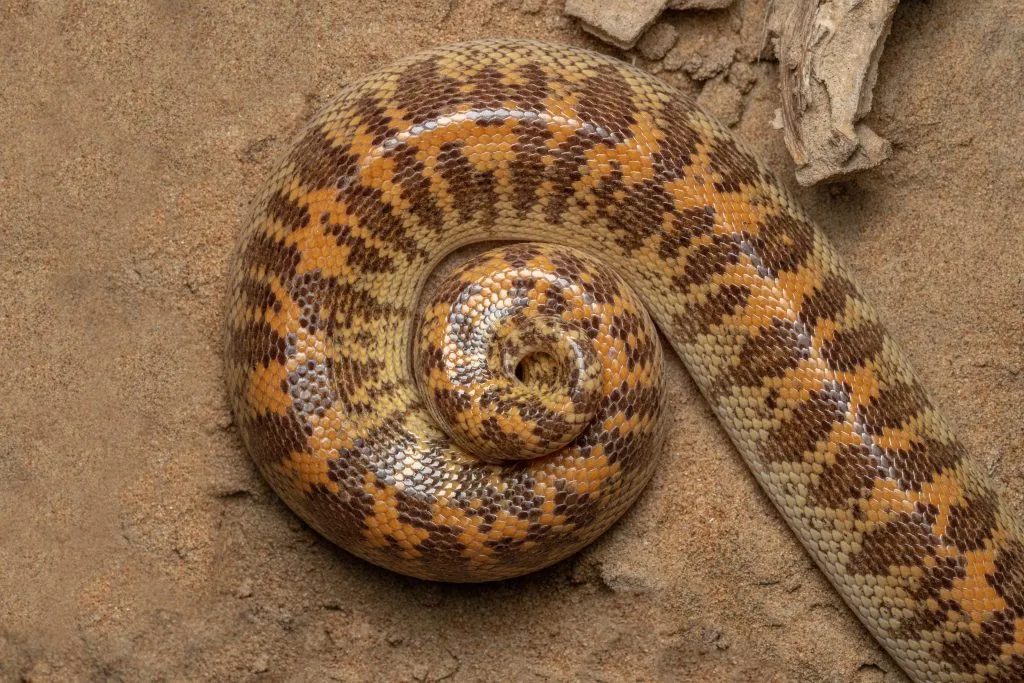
x=519, y=418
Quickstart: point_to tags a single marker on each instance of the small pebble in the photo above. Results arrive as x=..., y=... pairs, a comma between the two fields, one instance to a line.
x=261, y=664
x=743, y=76
x=724, y=100
x=657, y=41
x=244, y=589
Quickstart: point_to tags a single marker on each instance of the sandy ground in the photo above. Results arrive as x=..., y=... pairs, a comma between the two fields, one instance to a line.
x=137, y=540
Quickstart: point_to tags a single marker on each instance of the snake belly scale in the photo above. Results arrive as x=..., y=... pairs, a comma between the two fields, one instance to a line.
x=618, y=176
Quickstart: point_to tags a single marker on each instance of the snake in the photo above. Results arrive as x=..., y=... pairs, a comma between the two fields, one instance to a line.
x=506, y=420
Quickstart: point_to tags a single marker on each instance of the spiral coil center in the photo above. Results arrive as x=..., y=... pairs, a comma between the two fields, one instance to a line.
x=519, y=349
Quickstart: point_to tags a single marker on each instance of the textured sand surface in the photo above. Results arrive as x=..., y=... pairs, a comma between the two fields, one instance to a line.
x=136, y=538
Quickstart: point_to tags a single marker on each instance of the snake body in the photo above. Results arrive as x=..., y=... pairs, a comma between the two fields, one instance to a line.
x=616, y=173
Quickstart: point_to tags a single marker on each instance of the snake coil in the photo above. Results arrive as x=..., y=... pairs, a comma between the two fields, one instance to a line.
x=545, y=371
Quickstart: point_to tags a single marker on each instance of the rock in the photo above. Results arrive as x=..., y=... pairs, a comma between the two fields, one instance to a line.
x=700, y=57
x=743, y=76
x=710, y=65
x=260, y=664
x=528, y=6
x=704, y=67
x=699, y=4
x=657, y=41
x=723, y=100
x=619, y=22
x=332, y=604
x=38, y=673
x=244, y=589
x=828, y=53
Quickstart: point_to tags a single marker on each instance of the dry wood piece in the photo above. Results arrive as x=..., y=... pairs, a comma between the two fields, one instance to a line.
x=828, y=53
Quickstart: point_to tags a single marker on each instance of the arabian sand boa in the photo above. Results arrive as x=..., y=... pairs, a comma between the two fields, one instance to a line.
x=373, y=427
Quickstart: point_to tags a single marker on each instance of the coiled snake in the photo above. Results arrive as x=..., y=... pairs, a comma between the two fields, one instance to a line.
x=530, y=422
